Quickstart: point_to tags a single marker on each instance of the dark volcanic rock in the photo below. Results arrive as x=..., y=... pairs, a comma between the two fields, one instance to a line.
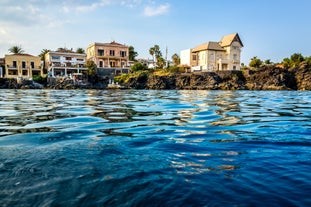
x=161, y=82
x=270, y=79
x=303, y=78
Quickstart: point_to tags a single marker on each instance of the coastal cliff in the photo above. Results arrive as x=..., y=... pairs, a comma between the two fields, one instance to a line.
x=265, y=78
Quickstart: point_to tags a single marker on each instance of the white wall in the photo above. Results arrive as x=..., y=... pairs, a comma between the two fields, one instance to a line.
x=185, y=56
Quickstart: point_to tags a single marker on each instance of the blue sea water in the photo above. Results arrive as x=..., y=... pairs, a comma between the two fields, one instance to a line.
x=155, y=148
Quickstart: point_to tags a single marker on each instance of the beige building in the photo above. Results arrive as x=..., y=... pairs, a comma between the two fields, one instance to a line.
x=113, y=57
x=22, y=66
x=213, y=56
x=64, y=63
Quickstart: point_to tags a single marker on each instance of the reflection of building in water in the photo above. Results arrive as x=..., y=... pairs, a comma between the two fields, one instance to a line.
x=227, y=106
x=209, y=108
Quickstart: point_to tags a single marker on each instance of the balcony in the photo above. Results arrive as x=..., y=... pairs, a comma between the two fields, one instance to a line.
x=12, y=67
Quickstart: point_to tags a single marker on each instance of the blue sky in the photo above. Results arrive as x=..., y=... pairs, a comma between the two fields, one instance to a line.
x=269, y=29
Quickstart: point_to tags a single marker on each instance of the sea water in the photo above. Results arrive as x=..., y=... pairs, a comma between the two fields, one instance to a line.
x=155, y=148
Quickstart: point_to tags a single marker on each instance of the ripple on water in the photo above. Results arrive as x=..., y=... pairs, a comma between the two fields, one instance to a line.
x=161, y=148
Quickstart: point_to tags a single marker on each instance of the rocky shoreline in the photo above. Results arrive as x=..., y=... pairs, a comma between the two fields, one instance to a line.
x=265, y=78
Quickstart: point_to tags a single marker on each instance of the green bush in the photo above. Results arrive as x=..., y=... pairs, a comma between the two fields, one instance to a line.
x=39, y=79
x=121, y=78
x=138, y=67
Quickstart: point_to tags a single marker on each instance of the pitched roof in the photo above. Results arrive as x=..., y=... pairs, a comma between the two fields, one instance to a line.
x=228, y=39
x=208, y=46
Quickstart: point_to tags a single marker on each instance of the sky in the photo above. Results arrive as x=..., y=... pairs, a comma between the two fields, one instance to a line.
x=269, y=29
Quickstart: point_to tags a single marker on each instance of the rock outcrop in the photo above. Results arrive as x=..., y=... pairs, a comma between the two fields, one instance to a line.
x=265, y=78
x=7, y=83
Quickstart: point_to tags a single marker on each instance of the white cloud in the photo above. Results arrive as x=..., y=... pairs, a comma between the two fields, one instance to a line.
x=150, y=11
x=130, y=3
x=78, y=7
x=93, y=6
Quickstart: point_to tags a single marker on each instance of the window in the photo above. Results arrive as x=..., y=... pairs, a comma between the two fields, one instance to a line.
x=111, y=52
x=123, y=53
x=234, y=67
x=80, y=59
x=212, y=56
x=32, y=65
x=194, y=57
x=100, y=52
x=23, y=64
x=68, y=58
x=101, y=64
x=14, y=64
x=235, y=56
x=112, y=64
x=55, y=57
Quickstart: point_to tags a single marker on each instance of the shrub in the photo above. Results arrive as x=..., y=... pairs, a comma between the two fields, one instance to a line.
x=138, y=66
x=121, y=78
x=39, y=79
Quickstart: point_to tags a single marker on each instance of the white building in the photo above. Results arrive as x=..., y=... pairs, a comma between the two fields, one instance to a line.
x=64, y=64
x=185, y=57
x=214, y=56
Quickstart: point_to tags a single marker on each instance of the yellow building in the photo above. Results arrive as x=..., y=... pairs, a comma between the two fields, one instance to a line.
x=213, y=56
x=22, y=66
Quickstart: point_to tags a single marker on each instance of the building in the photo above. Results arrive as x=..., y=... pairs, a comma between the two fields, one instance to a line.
x=64, y=63
x=2, y=65
x=22, y=66
x=213, y=56
x=110, y=58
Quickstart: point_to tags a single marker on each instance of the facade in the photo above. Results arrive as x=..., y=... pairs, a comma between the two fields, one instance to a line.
x=110, y=58
x=2, y=64
x=22, y=66
x=65, y=63
x=213, y=56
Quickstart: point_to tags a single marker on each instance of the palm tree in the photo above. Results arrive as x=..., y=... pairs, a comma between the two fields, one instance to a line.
x=42, y=56
x=176, y=59
x=80, y=50
x=155, y=52
x=151, y=52
x=16, y=50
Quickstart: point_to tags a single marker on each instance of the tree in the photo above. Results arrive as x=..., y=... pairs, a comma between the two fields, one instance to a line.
x=156, y=54
x=138, y=66
x=80, y=50
x=255, y=62
x=308, y=61
x=296, y=59
x=132, y=53
x=63, y=49
x=160, y=62
x=286, y=63
x=176, y=59
x=16, y=50
x=91, y=68
x=42, y=56
x=268, y=62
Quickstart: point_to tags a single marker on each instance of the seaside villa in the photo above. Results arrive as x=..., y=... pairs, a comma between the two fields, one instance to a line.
x=214, y=56
x=22, y=66
x=110, y=58
x=64, y=63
